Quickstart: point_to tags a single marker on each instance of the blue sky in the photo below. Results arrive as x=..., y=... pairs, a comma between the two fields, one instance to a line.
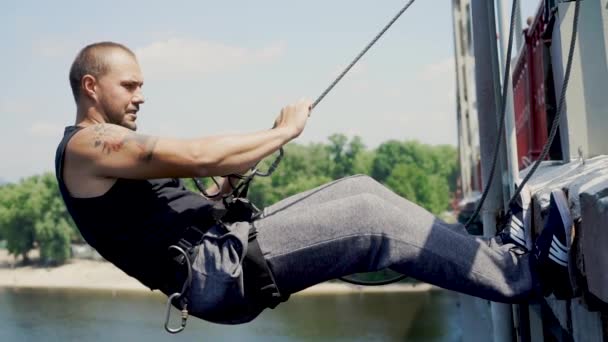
x=229, y=66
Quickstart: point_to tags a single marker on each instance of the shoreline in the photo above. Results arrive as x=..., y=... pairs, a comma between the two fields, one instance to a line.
x=78, y=274
x=319, y=289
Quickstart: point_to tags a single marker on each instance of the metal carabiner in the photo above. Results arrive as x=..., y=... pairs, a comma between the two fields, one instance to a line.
x=168, y=315
x=176, y=295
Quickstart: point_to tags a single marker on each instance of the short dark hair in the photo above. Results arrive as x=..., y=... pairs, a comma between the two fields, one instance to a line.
x=91, y=60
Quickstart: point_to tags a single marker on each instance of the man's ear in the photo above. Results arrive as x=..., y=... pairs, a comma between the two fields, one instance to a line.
x=89, y=87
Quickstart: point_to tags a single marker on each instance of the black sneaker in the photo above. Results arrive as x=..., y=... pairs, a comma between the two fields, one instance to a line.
x=552, y=248
x=517, y=227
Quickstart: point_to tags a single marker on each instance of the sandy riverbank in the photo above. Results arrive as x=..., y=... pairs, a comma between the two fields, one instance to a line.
x=97, y=275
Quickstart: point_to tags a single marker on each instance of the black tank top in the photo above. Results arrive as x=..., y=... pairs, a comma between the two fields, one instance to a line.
x=135, y=221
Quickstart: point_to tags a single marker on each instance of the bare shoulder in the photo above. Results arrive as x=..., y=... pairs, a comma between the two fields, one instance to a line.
x=112, y=151
x=95, y=151
x=104, y=140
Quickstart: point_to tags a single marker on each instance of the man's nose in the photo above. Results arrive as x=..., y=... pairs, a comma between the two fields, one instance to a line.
x=139, y=97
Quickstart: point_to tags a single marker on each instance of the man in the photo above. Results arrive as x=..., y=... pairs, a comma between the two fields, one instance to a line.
x=121, y=188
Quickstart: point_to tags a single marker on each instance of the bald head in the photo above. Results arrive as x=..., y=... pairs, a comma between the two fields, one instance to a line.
x=93, y=60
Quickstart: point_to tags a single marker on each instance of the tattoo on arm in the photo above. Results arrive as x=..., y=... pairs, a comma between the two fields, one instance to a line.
x=111, y=140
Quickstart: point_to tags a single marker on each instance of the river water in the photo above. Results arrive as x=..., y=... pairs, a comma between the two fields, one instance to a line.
x=69, y=315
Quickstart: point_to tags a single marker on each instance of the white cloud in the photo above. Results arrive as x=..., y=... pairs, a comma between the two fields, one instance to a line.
x=437, y=70
x=45, y=129
x=178, y=57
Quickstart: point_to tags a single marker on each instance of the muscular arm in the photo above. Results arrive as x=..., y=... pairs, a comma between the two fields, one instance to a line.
x=113, y=151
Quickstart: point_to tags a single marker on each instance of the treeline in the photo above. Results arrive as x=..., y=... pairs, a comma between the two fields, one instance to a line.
x=32, y=213
x=422, y=173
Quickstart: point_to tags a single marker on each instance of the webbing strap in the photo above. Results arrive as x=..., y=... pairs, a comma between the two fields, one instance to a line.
x=259, y=281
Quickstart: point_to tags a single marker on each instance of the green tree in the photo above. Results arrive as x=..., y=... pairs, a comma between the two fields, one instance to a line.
x=427, y=190
x=347, y=156
x=18, y=216
x=302, y=168
x=422, y=173
x=33, y=211
x=447, y=165
x=427, y=169
x=3, y=209
x=395, y=152
x=363, y=162
x=54, y=227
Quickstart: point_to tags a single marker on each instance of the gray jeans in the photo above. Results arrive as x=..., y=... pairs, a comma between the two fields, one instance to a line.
x=353, y=225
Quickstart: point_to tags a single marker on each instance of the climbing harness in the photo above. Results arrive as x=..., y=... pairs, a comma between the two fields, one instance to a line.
x=556, y=119
x=259, y=284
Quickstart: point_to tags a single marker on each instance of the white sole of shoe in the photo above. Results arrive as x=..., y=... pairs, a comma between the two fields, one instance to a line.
x=526, y=225
x=564, y=210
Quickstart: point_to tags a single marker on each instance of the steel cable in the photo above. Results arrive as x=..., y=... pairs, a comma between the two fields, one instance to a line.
x=501, y=129
x=555, y=124
x=560, y=108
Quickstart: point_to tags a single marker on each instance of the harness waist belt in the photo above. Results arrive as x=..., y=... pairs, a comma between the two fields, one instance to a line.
x=259, y=282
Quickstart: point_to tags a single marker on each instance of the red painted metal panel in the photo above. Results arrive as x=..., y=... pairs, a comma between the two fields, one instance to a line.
x=535, y=44
x=529, y=93
x=521, y=108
